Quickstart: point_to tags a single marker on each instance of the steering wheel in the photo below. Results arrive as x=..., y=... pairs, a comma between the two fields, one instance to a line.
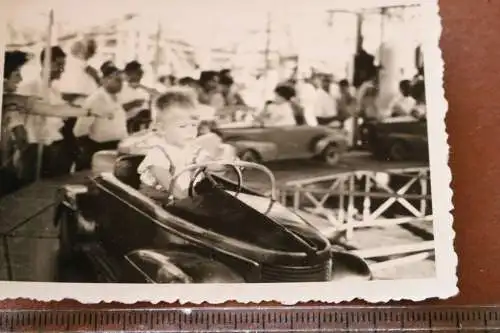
x=202, y=168
x=237, y=165
x=212, y=180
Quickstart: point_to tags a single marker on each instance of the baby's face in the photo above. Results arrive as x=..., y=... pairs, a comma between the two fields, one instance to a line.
x=178, y=126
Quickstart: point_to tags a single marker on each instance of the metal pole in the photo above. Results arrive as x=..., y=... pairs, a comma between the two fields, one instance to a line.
x=46, y=81
x=268, y=42
x=383, y=13
x=158, y=42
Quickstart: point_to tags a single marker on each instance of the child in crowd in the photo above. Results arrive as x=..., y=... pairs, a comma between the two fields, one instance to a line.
x=177, y=145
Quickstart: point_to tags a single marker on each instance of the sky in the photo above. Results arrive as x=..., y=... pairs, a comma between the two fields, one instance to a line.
x=187, y=15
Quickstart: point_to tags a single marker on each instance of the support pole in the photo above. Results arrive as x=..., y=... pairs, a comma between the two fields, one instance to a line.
x=46, y=81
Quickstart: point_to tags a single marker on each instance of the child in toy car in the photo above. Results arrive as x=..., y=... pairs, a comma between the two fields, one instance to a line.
x=176, y=146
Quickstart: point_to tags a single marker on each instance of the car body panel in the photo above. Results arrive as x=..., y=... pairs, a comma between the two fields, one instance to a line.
x=183, y=265
x=291, y=142
x=408, y=131
x=267, y=151
x=252, y=238
x=129, y=210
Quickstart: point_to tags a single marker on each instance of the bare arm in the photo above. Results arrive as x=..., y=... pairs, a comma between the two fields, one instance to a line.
x=153, y=92
x=133, y=104
x=40, y=107
x=165, y=178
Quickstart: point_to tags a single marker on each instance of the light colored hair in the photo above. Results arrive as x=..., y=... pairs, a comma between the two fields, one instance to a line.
x=179, y=97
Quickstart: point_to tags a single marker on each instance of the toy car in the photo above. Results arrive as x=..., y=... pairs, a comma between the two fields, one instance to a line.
x=263, y=144
x=397, y=139
x=222, y=232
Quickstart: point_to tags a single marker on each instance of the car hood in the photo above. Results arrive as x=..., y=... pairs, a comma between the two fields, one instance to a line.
x=246, y=218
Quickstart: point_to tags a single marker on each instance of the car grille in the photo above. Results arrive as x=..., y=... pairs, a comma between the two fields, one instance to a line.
x=315, y=273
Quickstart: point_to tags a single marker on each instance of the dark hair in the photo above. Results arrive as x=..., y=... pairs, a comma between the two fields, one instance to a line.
x=405, y=87
x=176, y=97
x=13, y=61
x=133, y=66
x=206, y=76
x=105, y=64
x=344, y=83
x=109, y=69
x=56, y=52
x=187, y=81
x=418, y=91
x=212, y=126
x=285, y=92
x=226, y=80
x=225, y=72
x=172, y=79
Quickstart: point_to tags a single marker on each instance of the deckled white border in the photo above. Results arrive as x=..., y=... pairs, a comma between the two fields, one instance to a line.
x=443, y=286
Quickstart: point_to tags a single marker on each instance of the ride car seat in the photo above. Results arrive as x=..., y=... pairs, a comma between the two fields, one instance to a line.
x=125, y=170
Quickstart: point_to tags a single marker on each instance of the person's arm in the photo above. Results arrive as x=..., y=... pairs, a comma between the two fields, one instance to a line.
x=151, y=91
x=157, y=169
x=43, y=108
x=94, y=74
x=133, y=104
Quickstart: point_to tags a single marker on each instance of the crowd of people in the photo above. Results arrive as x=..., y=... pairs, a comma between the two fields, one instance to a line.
x=83, y=110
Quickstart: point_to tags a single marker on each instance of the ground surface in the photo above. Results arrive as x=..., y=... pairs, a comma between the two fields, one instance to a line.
x=29, y=240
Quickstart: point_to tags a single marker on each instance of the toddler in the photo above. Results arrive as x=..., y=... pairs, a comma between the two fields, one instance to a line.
x=176, y=144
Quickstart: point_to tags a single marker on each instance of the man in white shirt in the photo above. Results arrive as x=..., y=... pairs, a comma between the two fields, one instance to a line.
x=79, y=77
x=306, y=93
x=106, y=132
x=325, y=105
x=46, y=130
x=134, y=97
x=79, y=81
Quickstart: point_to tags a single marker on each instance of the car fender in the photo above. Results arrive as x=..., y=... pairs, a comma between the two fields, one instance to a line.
x=266, y=150
x=336, y=139
x=161, y=266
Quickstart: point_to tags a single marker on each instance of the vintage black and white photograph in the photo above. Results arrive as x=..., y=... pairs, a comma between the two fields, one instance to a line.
x=254, y=150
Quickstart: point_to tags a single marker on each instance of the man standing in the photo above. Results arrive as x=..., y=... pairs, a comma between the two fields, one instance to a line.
x=325, y=106
x=78, y=81
x=306, y=93
x=135, y=98
x=45, y=129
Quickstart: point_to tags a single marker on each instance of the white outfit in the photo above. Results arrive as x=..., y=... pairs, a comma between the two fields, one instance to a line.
x=325, y=105
x=280, y=115
x=129, y=94
x=105, y=129
x=307, y=98
x=172, y=158
x=402, y=104
x=75, y=80
x=42, y=129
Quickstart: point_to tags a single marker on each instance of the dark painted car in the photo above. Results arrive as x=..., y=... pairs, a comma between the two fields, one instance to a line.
x=223, y=232
x=397, y=139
